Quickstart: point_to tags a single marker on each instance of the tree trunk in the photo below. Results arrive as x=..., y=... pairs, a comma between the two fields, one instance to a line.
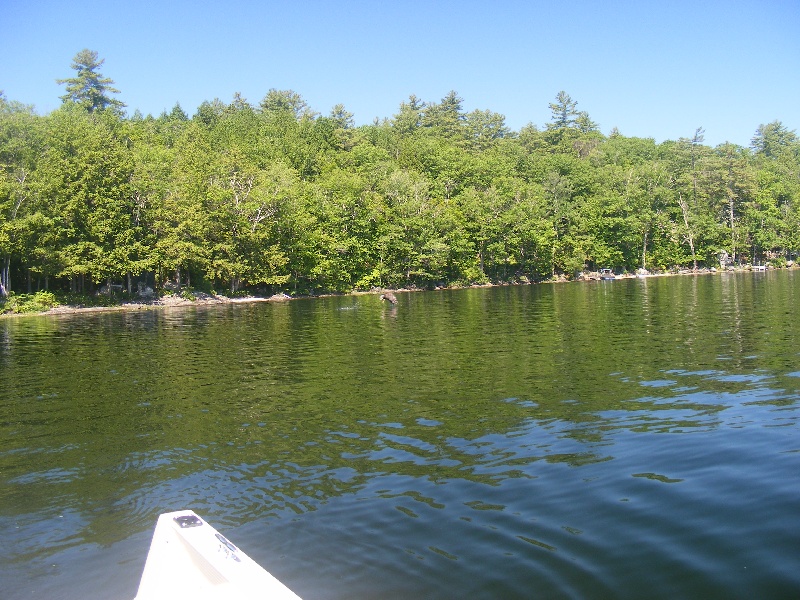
x=689, y=236
x=4, y=275
x=644, y=250
x=733, y=232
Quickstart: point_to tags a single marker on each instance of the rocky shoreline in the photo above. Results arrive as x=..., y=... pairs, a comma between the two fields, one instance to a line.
x=204, y=299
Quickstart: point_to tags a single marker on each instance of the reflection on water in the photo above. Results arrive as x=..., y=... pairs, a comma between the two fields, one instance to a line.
x=582, y=440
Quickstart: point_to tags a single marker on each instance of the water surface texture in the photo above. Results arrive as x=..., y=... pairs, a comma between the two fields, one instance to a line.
x=623, y=439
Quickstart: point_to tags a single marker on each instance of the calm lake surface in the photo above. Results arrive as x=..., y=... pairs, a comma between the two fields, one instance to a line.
x=626, y=439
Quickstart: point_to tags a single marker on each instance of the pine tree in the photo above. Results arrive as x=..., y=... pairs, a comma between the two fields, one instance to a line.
x=564, y=111
x=89, y=88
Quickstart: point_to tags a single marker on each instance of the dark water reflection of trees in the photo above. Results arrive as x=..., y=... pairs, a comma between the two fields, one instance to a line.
x=273, y=408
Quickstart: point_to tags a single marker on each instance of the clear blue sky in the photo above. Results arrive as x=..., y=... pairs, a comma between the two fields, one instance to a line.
x=651, y=69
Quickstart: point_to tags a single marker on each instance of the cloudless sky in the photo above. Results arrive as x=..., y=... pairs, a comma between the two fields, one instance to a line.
x=656, y=69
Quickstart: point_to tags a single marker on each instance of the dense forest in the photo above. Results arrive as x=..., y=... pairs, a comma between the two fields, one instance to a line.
x=275, y=197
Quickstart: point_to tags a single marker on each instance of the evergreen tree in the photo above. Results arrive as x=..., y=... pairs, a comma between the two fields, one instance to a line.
x=89, y=88
x=564, y=112
x=772, y=139
x=568, y=125
x=447, y=117
x=410, y=116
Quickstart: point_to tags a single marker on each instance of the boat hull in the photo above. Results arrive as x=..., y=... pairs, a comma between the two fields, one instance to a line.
x=188, y=558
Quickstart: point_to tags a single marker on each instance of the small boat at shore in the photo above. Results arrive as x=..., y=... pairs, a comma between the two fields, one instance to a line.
x=188, y=558
x=607, y=274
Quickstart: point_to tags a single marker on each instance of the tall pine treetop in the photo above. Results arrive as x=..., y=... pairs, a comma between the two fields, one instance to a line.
x=89, y=88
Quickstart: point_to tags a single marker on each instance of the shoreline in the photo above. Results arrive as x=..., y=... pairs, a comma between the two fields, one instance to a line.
x=203, y=299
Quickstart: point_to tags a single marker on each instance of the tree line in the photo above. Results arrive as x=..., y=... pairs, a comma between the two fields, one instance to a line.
x=274, y=196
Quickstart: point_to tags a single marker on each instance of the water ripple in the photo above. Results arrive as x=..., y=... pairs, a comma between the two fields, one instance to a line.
x=558, y=441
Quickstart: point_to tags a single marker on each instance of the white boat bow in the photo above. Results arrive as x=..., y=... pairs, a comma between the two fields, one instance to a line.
x=188, y=558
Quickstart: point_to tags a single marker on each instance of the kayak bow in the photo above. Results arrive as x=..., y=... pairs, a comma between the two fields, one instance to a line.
x=188, y=558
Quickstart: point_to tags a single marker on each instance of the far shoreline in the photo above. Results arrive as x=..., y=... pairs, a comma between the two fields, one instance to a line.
x=203, y=299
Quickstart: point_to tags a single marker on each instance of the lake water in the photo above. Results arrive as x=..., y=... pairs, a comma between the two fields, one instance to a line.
x=626, y=439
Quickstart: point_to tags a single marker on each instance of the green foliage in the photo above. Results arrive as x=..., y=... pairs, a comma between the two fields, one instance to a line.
x=89, y=89
x=275, y=197
x=773, y=139
x=28, y=303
